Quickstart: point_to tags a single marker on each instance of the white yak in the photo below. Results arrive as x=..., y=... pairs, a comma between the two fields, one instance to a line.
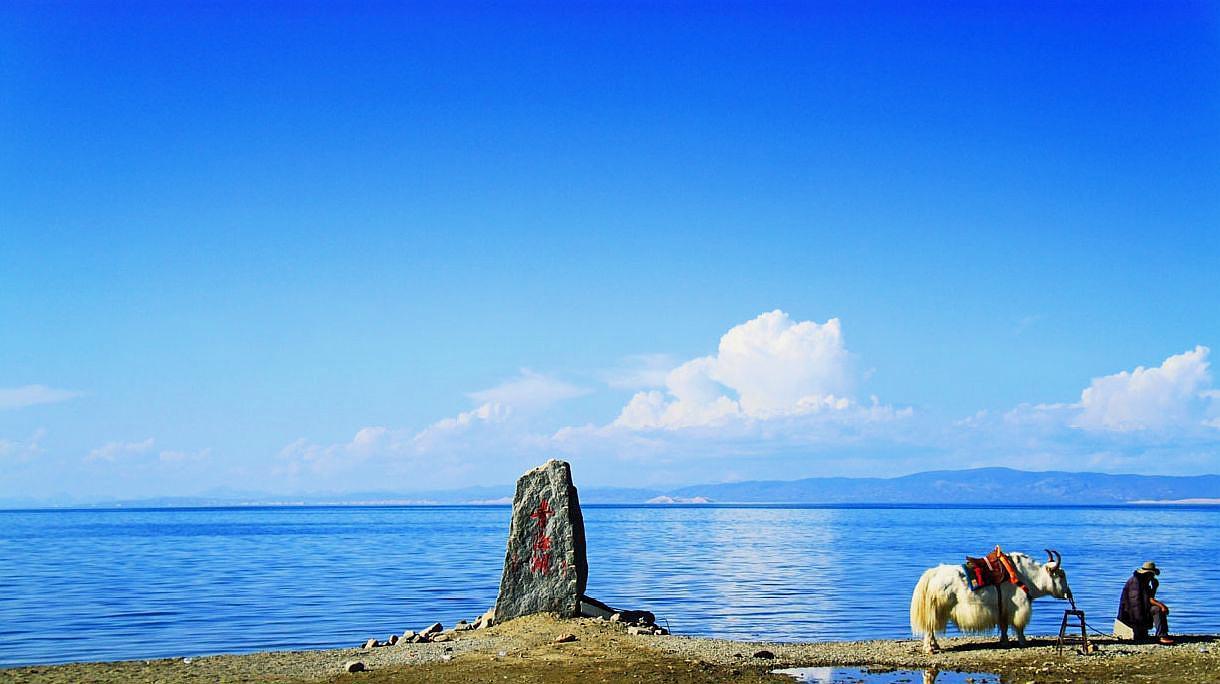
x=943, y=593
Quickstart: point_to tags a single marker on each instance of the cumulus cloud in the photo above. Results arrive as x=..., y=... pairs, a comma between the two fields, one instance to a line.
x=776, y=393
x=30, y=395
x=766, y=368
x=112, y=451
x=1173, y=395
x=1171, y=401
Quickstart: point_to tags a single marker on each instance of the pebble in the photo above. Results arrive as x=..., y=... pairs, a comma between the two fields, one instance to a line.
x=353, y=666
x=440, y=638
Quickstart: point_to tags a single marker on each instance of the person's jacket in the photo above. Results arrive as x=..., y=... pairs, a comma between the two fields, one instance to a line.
x=1135, y=605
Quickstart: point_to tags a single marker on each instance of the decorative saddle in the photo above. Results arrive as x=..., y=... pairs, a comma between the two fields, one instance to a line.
x=992, y=570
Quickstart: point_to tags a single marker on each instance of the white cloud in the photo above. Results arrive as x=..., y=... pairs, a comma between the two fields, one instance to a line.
x=30, y=395
x=490, y=413
x=113, y=450
x=177, y=457
x=498, y=424
x=502, y=410
x=766, y=368
x=1173, y=395
x=304, y=456
x=640, y=371
x=529, y=392
x=24, y=450
x=777, y=394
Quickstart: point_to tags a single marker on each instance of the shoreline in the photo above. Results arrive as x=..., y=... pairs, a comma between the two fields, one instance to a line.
x=525, y=650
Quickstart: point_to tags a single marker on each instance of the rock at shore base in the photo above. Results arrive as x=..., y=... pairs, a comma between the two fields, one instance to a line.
x=545, y=566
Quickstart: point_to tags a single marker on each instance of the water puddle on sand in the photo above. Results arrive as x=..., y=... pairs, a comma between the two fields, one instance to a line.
x=852, y=675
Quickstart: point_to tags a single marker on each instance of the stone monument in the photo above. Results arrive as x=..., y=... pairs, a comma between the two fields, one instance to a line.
x=545, y=567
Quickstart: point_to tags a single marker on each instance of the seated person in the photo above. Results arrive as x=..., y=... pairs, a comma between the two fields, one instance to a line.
x=1138, y=607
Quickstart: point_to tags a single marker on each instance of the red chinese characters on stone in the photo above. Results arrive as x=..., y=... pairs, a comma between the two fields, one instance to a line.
x=540, y=558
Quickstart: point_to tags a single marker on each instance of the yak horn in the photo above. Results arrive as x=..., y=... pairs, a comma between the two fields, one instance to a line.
x=1058, y=558
x=1050, y=556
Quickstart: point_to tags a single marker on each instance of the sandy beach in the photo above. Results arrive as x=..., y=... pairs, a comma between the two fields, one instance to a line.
x=524, y=650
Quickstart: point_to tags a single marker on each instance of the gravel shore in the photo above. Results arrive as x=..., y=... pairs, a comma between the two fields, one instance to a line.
x=524, y=650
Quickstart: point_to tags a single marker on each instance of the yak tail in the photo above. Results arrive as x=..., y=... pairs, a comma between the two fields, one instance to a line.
x=926, y=607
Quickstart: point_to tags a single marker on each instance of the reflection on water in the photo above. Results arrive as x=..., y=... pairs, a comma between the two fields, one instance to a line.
x=852, y=675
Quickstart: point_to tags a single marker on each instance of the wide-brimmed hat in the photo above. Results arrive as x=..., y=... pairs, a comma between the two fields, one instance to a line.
x=1147, y=567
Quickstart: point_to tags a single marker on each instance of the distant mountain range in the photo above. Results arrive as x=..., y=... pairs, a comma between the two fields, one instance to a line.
x=979, y=486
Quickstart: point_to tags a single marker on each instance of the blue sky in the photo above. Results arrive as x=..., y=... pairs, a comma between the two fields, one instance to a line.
x=399, y=246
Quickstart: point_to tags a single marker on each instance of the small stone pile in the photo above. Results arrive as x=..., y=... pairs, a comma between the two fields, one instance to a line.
x=645, y=624
x=635, y=621
x=434, y=633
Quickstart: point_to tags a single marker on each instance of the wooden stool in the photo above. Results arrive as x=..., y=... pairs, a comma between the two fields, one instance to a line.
x=1066, y=639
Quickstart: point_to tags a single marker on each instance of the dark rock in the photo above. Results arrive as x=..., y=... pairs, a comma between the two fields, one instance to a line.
x=545, y=567
x=408, y=635
x=433, y=628
x=591, y=607
x=392, y=640
x=637, y=617
x=764, y=654
x=353, y=666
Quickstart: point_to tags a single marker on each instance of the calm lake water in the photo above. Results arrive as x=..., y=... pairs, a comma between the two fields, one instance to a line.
x=122, y=584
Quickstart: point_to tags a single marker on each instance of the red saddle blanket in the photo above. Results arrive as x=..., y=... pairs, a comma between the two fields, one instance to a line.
x=992, y=570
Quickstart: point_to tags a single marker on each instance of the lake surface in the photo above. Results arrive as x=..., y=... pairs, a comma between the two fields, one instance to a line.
x=123, y=584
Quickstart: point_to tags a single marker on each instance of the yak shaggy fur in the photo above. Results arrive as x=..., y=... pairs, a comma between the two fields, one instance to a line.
x=943, y=594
